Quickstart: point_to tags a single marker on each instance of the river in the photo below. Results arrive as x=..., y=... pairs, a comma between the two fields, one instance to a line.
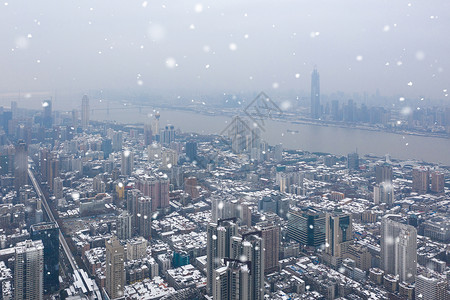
x=313, y=138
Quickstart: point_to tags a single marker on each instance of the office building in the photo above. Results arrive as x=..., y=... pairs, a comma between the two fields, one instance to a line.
x=48, y=233
x=191, y=150
x=398, y=248
x=338, y=236
x=85, y=112
x=47, y=114
x=315, y=95
x=20, y=165
x=353, y=161
x=115, y=270
x=383, y=173
x=437, y=182
x=307, y=227
x=420, y=180
x=127, y=162
x=29, y=270
x=107, y=148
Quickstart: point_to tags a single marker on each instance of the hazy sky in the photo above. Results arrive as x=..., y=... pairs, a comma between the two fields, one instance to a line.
x=229, y=45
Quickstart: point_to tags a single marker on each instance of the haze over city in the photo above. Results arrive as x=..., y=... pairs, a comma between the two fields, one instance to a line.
x=210, y=47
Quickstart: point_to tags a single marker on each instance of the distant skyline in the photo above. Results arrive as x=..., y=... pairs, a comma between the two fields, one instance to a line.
x=205, y=47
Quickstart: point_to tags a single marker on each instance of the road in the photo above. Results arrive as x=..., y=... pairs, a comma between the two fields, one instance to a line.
x=62, y=240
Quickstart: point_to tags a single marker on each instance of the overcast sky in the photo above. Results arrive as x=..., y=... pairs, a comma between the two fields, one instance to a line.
x=400, y=47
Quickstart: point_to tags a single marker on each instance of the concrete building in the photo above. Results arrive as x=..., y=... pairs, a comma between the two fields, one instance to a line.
x=29, y=270
x=115, y=271
x=398, y=249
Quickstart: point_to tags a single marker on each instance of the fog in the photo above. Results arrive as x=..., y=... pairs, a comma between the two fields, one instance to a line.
x=398, y=47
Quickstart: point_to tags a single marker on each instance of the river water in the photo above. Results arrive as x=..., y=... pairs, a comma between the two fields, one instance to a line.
x=314, y=138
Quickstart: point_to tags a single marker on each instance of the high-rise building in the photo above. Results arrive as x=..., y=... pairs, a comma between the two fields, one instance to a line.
x=218, y=246
x=315, y=95
x=383, y=193
x=338, y=236
x=117, y=141
x=430, y=287
x=85, y=112
x=124, y=226
x=48, y=233
x=115, y=270
x=47, y=114
x=155, y=127
x=148, y=135
x=106, y=148
x=29, y=270
x=168, y=134
x=383, y=173
x=58, y=188
x=241, y=276
x=278, y=153
x=191, y=150
x=144, y=217
x=353, y=161
x=398, y=248
x=132, y=204
x=271, y=237
x=127, y=162
x=420, y=180
x=307, y=227
x=20, y=165
x=437, y=182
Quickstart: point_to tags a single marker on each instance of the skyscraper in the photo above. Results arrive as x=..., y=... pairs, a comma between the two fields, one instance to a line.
x=353, y=161
x=383, y=193
x=148, y=135
x=85, y=112
x=20, y=165
x=168, y=134
x=338, y=236
x=315, y=95
x=398, y=248
x=271, y=238
x=383, y=173
x=29, y=270
x=437, y=182
x=241, y=276
x=124, y=226
x=127, y=162
x=115, y=270
x=307, y=227
x=420, y=180
x=144, y=217
x=49, y=234
x=191, y=150
x=47, y=114
x=218, y=246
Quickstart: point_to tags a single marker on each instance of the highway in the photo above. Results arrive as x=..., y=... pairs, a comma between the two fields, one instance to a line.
x=62, y=240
